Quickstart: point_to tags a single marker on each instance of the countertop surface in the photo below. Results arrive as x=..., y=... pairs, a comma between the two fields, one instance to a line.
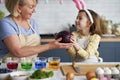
x=103, y=39
x=59, y=75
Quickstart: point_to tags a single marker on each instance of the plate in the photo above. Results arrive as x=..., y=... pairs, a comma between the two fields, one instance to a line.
x=19, y=75
x=43, y=73
x=41, y=79
x=4, y=74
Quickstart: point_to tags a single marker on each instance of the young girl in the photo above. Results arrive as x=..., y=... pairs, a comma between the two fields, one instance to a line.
x=87, y=37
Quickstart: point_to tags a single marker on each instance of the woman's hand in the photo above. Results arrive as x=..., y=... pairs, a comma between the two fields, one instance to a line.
x=57, y=44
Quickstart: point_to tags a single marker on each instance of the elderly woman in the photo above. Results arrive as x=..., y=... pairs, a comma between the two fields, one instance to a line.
x=19, y=35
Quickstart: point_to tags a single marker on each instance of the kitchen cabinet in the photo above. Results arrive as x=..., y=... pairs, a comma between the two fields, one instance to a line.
x=110, y=51
x=117, y=51
x=58, y=53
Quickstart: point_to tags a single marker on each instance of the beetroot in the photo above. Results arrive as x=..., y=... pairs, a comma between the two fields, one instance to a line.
x=65, y=35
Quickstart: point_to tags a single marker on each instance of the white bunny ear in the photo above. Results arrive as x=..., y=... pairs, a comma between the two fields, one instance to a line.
x=61, y=1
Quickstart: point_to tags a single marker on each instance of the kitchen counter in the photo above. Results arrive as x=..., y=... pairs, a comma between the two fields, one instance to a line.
x=59, y=75
x=104, y=39
x=110, y=39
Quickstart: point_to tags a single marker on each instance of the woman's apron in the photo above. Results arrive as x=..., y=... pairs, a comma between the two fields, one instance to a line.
x=26, y=40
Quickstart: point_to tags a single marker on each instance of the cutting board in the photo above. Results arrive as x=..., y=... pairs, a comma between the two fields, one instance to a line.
x=84, y=68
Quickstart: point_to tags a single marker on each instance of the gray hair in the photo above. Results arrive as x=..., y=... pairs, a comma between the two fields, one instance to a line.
x=11, y=6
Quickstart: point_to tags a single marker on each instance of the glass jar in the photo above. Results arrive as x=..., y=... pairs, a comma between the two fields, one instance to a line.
x=40, y=62
x=107, y=27
x=12, y=63
x=26, y=64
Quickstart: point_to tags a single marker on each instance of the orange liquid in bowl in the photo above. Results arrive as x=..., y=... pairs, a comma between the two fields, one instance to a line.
x=54, y=65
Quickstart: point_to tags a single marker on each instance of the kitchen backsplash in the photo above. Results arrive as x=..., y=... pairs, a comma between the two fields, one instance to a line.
x=53, y=17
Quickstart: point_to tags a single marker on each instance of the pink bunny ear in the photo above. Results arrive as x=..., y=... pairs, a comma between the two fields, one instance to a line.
x=61, y=1
x=0, y=1
x=78, y=5
x=82, y=4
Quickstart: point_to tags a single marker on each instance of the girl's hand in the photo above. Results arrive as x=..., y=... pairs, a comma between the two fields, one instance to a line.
x=75, y=44
x=56, y=44
x=73, y=39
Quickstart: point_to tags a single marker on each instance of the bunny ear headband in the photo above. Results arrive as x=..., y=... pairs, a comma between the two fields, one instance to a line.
x=80, y=4
x=1, y=1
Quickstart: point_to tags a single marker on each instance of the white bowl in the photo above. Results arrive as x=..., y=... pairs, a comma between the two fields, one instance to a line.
x=4, y=76
x=41, y=79
x=19, y=75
